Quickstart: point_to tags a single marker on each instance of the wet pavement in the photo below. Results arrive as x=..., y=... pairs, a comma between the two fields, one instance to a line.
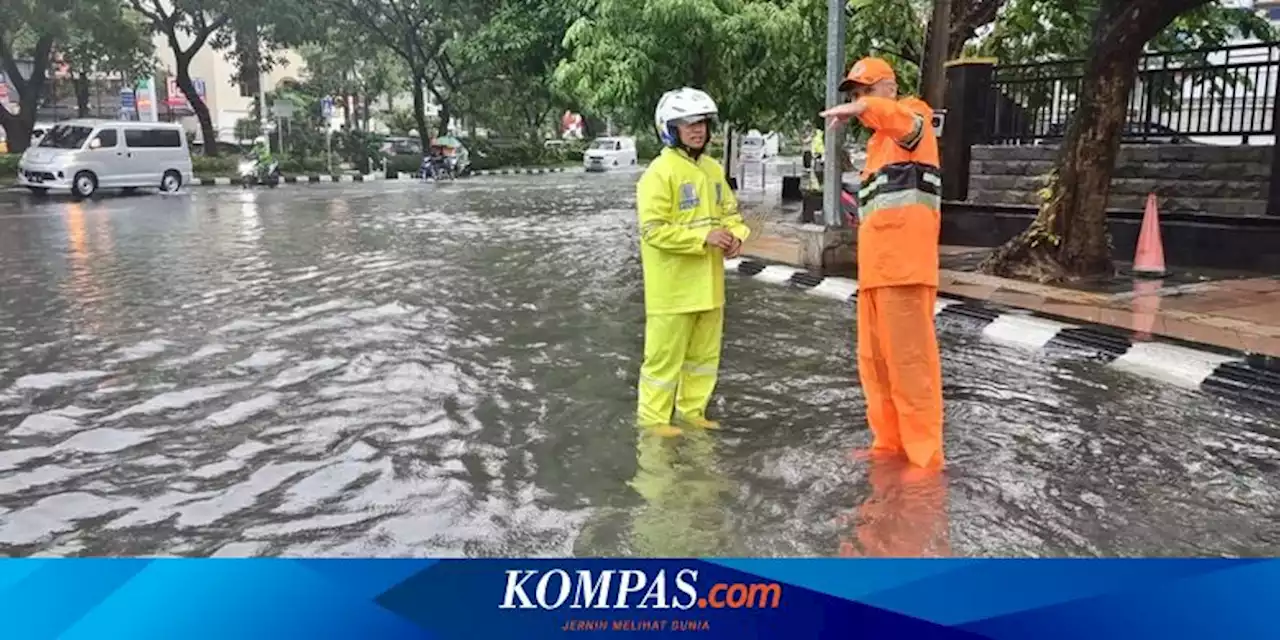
x=405, y=369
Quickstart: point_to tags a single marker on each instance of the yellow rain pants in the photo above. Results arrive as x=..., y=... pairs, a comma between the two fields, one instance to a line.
x=681, y=360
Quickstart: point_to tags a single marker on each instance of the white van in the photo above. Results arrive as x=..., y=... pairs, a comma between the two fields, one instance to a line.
x=757, y=147
x=83, y=156
x=609, y=153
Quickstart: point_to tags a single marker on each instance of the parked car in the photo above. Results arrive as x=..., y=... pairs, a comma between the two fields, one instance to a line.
x=609, y=153
x=83, y=156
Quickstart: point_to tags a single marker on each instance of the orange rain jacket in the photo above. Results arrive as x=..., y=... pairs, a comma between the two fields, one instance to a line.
x=899, y=204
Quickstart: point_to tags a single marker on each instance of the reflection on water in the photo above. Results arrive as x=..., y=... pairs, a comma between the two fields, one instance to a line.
x=904, y=516
x=409, y=369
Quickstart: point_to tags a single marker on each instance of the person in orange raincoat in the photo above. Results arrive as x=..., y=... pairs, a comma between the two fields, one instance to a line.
x=898, y=226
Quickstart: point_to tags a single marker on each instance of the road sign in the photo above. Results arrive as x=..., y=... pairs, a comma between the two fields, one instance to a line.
x=326, y=107
x=282, y=109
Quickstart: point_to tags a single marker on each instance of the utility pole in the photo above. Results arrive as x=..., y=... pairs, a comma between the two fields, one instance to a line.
x=833, y=169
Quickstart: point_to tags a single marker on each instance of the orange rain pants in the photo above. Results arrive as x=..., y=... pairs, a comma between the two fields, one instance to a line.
x=900, y=371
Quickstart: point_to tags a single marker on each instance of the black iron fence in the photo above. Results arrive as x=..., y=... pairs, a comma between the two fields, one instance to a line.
x=1224, y=95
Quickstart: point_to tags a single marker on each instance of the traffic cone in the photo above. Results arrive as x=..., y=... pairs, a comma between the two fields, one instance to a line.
x=1148, y=262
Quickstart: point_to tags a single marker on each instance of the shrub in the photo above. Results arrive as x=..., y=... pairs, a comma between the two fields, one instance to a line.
x=9, y=166
x=309, y=165
x=219, y=167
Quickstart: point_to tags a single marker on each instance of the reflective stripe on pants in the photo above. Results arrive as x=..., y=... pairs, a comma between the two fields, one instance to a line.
x=681, y=362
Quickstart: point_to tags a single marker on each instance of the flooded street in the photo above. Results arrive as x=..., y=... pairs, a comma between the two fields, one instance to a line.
x=449, y=370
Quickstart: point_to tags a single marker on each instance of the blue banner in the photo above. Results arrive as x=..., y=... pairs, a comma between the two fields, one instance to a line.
x=792, y=599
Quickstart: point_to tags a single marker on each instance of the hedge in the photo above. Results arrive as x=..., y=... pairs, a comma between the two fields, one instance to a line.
x=9, y=167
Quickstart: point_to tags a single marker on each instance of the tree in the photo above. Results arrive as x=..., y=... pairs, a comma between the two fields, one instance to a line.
x=194, y=21
x=416, y=31
x=113, y=40
x=188, y=26
x=28, y=33
x=511, y=60
x=1068, y=238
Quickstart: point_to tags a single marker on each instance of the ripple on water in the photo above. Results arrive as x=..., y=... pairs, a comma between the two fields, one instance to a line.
x=395, y=371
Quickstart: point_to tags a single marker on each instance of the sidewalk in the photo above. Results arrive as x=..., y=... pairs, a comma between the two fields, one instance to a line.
x=1239, y=312
x=1232, y=311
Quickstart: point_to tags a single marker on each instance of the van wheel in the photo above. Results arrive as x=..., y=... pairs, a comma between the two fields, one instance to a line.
x=171, y=182
x=84, y=185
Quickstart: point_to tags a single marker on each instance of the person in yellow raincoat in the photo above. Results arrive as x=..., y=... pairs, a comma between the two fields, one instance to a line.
x=689, y=223
x=899, y=220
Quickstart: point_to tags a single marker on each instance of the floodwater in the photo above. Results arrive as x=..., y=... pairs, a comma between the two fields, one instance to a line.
x=406, y=369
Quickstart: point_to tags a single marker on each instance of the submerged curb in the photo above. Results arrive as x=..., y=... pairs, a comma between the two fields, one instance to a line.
x=1178, y=362
x=376, y=177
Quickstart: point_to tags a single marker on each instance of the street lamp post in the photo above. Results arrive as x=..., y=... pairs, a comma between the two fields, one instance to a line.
x=833, y=168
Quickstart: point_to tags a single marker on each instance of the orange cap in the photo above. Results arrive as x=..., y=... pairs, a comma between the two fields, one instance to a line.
x=867, y=71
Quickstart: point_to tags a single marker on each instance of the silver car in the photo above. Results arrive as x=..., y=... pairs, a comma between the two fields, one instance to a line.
x=81, y=157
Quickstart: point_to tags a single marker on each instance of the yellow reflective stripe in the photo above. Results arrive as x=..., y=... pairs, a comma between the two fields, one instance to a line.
x=661, y=384
x=700, y=369
x=865, y=192
x=899, y=199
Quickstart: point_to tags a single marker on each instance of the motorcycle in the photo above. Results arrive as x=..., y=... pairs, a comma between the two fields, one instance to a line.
x=253, y=172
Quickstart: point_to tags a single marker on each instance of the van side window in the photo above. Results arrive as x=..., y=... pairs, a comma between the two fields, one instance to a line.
x=135, y=138
x=107, y=139
x=152, y=138
x=170, y=138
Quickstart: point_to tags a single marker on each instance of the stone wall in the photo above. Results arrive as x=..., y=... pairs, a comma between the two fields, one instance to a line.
x=1186, y=178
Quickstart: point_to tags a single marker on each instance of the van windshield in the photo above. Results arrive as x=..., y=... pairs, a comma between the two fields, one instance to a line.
x=606, y=145
x=66, y=137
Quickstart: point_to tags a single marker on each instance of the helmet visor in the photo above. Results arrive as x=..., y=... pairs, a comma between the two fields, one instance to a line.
x=687, y=120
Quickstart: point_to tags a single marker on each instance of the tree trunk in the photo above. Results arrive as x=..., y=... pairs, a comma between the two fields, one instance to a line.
x=81, y=82
x=446, y=114
x=368, y=109
x=420, y=107
x=198, y=105
x=17, y=127
x=1069, y=239
x=933, y=74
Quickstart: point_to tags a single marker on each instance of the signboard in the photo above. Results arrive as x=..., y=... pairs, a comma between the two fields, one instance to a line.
x=326, y=107
x=282, y=109
x=146, y=100
x=175, y=98
x=128, y=103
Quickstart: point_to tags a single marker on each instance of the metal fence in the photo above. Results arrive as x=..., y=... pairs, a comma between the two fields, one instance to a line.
x=1220, y=96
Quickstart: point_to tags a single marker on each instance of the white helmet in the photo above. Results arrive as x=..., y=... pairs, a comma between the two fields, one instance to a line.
x=682, y=106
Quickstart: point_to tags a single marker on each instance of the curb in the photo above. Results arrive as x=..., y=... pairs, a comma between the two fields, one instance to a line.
x=1182, y=363
x=375, y=177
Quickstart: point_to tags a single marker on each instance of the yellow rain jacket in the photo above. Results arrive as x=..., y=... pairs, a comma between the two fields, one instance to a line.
x=680, y=200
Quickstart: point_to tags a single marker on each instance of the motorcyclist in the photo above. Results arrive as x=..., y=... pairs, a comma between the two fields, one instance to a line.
x=261, y=152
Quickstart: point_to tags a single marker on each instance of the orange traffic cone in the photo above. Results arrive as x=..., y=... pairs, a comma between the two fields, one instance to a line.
x=1148, y=262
